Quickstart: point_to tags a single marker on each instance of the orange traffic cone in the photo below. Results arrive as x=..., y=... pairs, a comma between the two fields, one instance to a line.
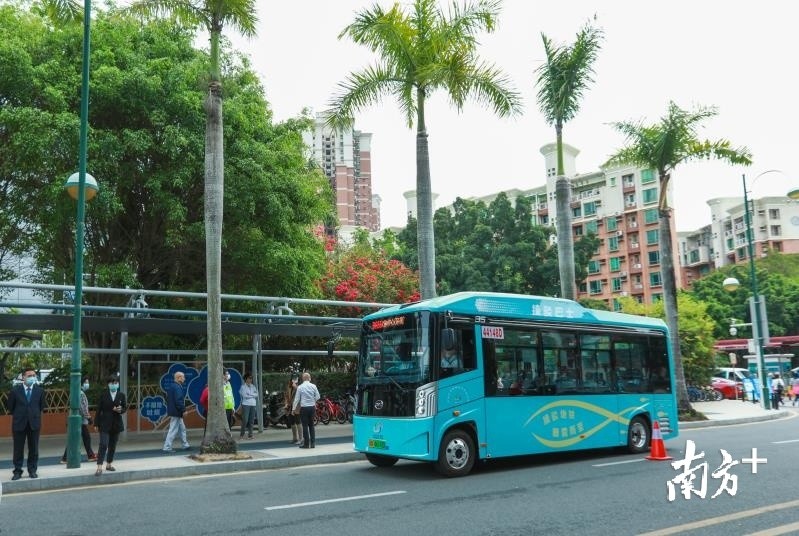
x=658, y=449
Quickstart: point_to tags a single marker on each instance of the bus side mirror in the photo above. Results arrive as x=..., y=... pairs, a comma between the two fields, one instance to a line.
x=448, y=341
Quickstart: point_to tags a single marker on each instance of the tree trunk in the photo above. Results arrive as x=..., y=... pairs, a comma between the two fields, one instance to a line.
x=218, y=438
x=564, y=227
x=670, y=295
x=424, y=207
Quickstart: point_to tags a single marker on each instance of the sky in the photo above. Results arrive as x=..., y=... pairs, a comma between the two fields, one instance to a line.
x=734, y=55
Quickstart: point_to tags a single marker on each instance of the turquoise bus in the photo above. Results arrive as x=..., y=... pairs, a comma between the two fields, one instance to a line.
x=478, y=375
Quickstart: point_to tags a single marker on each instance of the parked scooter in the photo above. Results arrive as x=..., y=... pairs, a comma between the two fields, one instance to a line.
x=275, y=412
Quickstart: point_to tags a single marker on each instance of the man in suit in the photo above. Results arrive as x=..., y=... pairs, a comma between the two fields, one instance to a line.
x=26, y=402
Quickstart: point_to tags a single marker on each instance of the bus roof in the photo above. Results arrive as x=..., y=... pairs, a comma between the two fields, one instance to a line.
x=521, y=306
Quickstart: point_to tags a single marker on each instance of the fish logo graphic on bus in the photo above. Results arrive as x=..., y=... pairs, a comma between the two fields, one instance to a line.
x=564, y=423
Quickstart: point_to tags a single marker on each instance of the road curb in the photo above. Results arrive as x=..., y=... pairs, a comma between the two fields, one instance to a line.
x=727, y=422
x=208, y=468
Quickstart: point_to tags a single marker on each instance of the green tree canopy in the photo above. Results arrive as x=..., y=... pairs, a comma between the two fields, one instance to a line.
x=146, y=148
x=495, y=248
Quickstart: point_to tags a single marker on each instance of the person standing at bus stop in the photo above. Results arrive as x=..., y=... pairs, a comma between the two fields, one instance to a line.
x=26, y=402
x=230, y=402
x=305, y=399
x=108, y=421
x=86, y=420
x=175, y=406
x=249, y=398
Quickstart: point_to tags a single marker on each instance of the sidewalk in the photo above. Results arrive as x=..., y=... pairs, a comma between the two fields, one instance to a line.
x=139, y=455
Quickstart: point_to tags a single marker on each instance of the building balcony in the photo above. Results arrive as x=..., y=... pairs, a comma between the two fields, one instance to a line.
x=634, y=246
x=628, y=188
x=636, y=268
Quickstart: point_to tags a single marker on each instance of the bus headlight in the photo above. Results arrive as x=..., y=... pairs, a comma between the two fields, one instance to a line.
x=425, y=401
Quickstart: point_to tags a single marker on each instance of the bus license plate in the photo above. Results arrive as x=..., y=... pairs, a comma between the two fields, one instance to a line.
x=377, y=444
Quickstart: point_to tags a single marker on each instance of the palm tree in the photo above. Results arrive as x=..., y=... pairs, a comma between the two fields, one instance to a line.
x=421, y=51
x=561, y=82
x=662, y=147
x=212, y=16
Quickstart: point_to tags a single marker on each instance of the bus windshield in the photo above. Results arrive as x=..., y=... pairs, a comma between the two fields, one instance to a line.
x=396, y=350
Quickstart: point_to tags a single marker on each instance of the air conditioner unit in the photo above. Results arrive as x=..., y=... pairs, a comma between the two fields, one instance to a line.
x=623, y=274
x=633, y=224
x=619, y=233
x=623, y=292
x=637, y=266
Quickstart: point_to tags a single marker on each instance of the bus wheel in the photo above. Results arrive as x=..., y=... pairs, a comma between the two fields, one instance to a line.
x=638, y=435
x=457, y=453
x=381, y=461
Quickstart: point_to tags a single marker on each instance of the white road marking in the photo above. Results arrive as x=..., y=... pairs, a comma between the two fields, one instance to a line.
x=787, y=441
x=340, y=499
x=791, y=528
x=617, y=463
x=677, y=529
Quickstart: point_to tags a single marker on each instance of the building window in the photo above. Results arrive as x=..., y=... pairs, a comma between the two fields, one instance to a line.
x=593, y=267
x=651, y=215
x=611, y=223
x=730, y=243
x=647, y=176
x=654, y=258
x=613, y=243
x=655, y=279
x=776, y=230
x=612, y=181
x=657, y=297
x=773, y=213
x=693, y=256
x=578, y=230
x=616, y=305
x=595, y=287
x=576, y=212
x=627, y=180
x=615, y=264
x=629, y=200
x=589, y=209
x=615, y=284
x=592, y=227
x=652, y=237
x=583, y=288
x=650, y=196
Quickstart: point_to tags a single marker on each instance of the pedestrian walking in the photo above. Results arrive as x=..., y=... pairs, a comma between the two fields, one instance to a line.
x=293, y=417
x=175, y=407
x=249, y=398
x=86, y=420
x=111, y=405
x=26, y=402
x=230, y=402
x=305, y=399
x=795, y=389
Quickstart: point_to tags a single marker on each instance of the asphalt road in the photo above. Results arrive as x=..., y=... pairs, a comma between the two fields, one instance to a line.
x=599, y=492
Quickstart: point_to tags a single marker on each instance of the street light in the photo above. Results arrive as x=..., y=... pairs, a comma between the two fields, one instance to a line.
x=85, y=188
x=757, y=302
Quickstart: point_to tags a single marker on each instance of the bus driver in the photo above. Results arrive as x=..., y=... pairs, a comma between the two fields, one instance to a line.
x=450, y=359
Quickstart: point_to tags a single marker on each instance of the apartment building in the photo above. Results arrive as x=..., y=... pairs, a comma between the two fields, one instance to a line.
x=775, y=227
x=344, y=155
x=619, y=205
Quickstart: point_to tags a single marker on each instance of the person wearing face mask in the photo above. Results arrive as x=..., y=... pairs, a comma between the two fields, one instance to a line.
x=230, y=402
x=108, y=420
x=86, y=421
x=25, y=404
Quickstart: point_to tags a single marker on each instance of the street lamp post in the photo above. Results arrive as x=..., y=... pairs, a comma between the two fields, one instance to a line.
x=84, y=191
x=758, y=302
